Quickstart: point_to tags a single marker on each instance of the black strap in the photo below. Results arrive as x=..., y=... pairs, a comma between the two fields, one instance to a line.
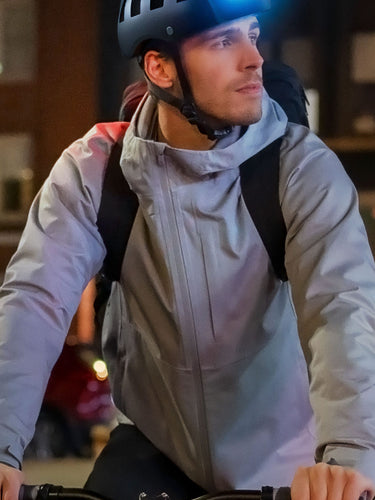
x=260, y=190
x=117, y=211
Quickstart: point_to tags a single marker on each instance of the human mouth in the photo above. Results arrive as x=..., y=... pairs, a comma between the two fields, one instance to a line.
x=253, y=89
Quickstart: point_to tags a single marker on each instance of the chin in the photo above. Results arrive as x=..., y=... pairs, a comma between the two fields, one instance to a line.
x=245, y=116
x=247, y=120
x=243, y=119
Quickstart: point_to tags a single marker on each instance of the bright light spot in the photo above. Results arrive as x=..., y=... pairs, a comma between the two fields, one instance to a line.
x=1, y=68
x=313, y=109
x=228, y=10
x=100, y=369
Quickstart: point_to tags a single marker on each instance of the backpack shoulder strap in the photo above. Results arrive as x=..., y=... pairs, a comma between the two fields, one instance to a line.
x=260, y=189
x=117, y=211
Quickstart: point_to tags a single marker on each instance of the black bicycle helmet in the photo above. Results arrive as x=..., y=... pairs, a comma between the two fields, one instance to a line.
x=171, y=21
x=174, y=20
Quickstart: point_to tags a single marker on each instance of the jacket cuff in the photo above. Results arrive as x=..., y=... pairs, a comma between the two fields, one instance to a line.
x=359, y=458
x=11, y=455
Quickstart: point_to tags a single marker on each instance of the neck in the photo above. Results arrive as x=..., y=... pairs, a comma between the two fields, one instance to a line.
x=175, y=130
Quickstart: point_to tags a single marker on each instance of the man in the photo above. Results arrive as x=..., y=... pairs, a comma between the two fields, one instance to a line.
x=200, y=337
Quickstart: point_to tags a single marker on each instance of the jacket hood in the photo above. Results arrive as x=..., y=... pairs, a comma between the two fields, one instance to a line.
x=222, y=157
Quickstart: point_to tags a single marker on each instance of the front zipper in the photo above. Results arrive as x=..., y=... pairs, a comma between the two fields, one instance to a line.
x=184, y=306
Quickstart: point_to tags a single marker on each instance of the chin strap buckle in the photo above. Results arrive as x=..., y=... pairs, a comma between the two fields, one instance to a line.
x=190, y=112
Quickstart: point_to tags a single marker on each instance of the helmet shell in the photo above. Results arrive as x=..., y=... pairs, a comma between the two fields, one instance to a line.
x=174, y=20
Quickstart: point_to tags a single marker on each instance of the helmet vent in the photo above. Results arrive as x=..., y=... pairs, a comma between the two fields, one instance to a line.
x=156, y=4
x=135, y=8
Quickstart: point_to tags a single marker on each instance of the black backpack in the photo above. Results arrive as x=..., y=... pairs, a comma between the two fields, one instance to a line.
x=259, y=185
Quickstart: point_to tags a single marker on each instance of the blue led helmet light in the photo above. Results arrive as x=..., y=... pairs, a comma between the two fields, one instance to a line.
x=174, y=20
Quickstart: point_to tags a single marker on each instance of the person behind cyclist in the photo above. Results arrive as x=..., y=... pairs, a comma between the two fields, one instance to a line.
x=203, y=342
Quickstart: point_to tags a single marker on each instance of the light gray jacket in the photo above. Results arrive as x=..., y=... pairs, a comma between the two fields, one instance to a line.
x=200, y=337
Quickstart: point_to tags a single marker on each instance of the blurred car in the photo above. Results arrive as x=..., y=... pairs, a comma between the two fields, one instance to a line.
x=77, y=398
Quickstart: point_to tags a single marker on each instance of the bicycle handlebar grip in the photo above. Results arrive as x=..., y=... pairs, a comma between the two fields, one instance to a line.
x=282, y=493
x=38, y=492
x=28, y=492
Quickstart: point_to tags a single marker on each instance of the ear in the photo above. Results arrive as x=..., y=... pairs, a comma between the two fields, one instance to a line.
x=159, y=69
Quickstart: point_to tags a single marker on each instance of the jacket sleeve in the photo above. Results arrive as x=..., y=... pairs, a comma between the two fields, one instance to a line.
x=59, y=252
x=332, y=276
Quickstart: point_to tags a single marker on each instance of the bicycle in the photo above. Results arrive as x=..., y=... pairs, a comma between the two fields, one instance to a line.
x=55, y=492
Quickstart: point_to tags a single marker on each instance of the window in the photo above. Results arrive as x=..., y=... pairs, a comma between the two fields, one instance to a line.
x=16, y=176
x=18, y=32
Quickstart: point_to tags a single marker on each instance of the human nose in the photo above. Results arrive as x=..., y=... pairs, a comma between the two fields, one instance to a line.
x=252, y=57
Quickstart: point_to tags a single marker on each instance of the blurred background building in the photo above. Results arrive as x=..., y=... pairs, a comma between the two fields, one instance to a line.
x=61, y=72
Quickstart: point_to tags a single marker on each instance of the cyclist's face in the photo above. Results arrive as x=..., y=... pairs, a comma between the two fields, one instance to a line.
x=224, y=68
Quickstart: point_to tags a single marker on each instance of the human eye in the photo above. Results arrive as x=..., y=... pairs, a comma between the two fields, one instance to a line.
x=222, y=43
x=254, y=37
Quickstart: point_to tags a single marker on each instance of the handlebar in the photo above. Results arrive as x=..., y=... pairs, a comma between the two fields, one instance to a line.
x=54, y=492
